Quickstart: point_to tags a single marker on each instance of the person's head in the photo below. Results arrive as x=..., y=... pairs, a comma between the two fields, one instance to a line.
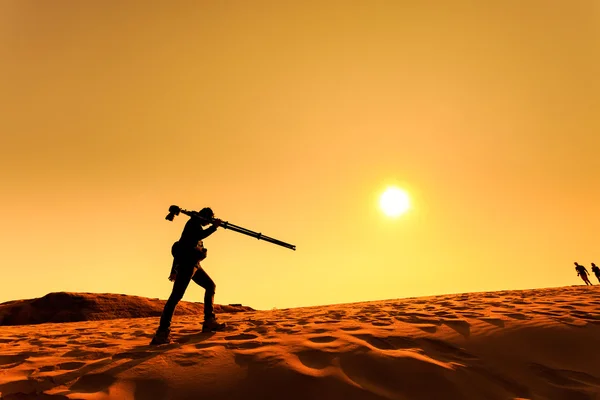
x=577, y=265
x=593, y=265
x=207, y=214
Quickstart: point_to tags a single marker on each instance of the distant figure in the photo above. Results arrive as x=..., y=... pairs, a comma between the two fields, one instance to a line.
x=583, y=273
x=596, y=271
x=187, y=254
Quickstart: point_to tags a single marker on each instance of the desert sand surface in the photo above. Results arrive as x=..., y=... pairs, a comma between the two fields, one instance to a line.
x=521, y=344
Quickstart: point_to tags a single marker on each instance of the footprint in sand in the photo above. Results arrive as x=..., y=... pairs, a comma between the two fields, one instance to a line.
x=70, y=366
x=261, y=330
x=350, y=328
x=241, y=336
x=315, y=359
x=100, y=345
x=322, y=339
x=382, y=322
x=287, y=331
x=246, y=345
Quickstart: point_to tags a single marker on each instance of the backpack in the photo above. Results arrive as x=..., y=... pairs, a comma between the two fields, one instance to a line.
x=188, y=254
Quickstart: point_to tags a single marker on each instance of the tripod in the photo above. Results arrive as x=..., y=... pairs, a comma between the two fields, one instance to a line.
x=175, y=210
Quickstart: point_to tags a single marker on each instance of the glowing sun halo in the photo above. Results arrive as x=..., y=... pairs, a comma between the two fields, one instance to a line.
x=394, y=201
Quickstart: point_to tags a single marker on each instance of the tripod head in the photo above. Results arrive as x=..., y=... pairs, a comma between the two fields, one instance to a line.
x=173, y=212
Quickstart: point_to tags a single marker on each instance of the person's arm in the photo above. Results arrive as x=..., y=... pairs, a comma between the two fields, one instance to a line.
x=211, y=229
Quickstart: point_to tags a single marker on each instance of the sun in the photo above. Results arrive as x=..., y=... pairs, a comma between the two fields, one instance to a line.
x=394, y=201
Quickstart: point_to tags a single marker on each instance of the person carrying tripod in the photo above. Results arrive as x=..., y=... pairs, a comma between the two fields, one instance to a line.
x=187, y=254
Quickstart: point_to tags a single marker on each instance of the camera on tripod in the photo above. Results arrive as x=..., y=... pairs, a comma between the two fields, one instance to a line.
x=173, y=212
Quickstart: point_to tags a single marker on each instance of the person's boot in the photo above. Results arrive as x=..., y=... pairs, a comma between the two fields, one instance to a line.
x=211, y=325
x=161, y=337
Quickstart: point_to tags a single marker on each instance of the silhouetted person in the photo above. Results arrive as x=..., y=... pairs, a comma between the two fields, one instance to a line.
x=596, y=271
x=187, y=254
x=583, y=273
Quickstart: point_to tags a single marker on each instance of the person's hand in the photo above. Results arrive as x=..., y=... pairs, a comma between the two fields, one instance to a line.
x=216, y=222
x=172, y=277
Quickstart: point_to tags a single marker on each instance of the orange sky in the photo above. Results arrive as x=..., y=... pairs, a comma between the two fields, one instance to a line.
x=290, y=118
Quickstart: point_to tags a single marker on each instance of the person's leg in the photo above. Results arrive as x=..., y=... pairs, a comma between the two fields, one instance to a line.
x=202, y=279
x=184, y=275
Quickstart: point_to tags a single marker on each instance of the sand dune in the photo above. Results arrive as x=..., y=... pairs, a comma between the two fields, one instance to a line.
x=531, y=344
x=75, y=307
